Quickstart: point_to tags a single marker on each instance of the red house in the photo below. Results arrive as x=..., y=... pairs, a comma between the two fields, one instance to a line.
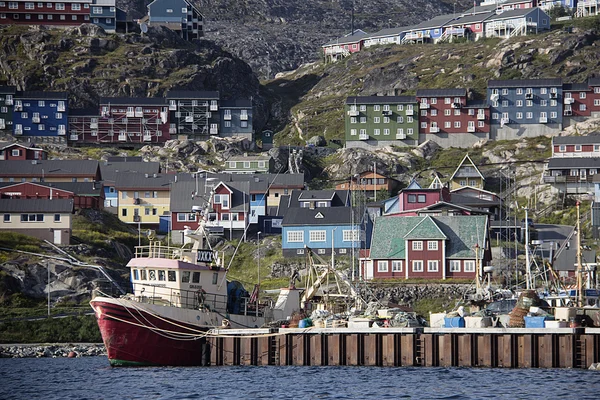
x=49, y=12
x=21, y=151
x=576, y=146
x=84, y=194
x=344, y=46
x=133, y=120
x=582, y=99
x=427, y=247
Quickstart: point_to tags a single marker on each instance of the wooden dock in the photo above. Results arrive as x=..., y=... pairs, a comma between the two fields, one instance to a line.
x=409, y=347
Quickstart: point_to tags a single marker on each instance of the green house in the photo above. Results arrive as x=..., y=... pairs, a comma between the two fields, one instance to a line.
x=381, y=120
x=249, y=164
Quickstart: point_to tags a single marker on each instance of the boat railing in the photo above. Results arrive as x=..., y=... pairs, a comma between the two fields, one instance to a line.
x=157, y=250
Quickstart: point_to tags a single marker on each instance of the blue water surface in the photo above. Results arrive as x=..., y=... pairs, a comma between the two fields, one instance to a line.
x=93, y=378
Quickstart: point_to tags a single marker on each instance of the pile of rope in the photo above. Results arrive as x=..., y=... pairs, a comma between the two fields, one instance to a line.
x=527, y=299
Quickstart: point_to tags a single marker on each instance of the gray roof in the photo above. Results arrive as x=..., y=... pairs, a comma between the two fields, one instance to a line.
x=517, y=12
x=480, y=9
x=593, y=138
x=354, y=38
x=318, y=216
x=390, y=32
x=576, y=87
x=477, y=104
x=466, y=19
x=436, y=22
x=8, y=89
x=574, y=162
x=549, y=82
x=141, y=181
x=316, y=195
x=36, y=205
x=38, y=168
x=77, y=188
x=150, y=101
x=380, y=99
x=594, y=81
x=41, y=95
x=192, y=94
x=110, y=170
x=441, y=92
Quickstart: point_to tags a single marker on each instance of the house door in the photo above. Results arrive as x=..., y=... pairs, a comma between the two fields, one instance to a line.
x=57, y=237
x=369, y=269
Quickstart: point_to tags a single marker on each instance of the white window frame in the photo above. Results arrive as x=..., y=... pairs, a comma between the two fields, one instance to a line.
x=454, y=266
x=317, y=236
x=295, y=236
x=417, y=266
x=469, y=266
x=433, y=266
x=417, y=245
x=432, y=245
x=396, y=265
x=382, y=266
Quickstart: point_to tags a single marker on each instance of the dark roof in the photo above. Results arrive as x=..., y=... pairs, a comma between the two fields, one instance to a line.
x=477, y=104
x=316, y=195
x=380, y=99
x=588, y=139
x=124, y=159
x=574, y=162
x=441, y=92
x=576, y=87
x=471, y=201
x=83, y=112
x=472, y=18
x=481, y=9
x=436, y=22
x=36, y=205
x=594, y=81
x=241, y=103
x=354, y=38
x=390, y=32
x=8, y=89
x=142, y=181
x=150, y=101
x=549, y=82
x=41, y=95
x=517, y=12
x=318, y=216
x=192, y=94
x=251, y=157
x=110, y=170
x=37, y=168
x=77, y=188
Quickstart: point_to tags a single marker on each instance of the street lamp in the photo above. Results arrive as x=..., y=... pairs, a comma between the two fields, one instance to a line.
x=258, y=273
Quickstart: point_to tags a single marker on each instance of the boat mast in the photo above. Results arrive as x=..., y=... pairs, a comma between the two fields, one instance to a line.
x=579, y=265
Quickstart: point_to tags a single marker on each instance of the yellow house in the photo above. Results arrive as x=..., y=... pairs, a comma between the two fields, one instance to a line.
x=143, y=198
x=467, y=174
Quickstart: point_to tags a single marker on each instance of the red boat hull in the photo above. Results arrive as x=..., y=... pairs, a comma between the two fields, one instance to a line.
x=134, y=337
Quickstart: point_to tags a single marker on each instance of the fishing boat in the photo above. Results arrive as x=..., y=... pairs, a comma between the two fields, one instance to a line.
x=179, y=296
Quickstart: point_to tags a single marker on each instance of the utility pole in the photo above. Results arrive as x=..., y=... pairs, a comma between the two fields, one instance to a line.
x=48, y=268
x=579, y=265
x=527, y=266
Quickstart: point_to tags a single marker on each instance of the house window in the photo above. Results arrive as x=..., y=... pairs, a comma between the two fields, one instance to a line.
x=347, y=235
x=363, y=120
x=400, y=107
x=56, y=217
x=577, y=147
x=412, y=198
x=421, y=198
x=434, y=100
x=32, y=217
x=317, y=236
x=417, y=266
x=469, y=266
x=519, y=115
x=299, y=251
x=454, y=266
x=376, y=120
x=376, y=132
x=382, y=266
x=417, y=245
x=376, y=108
x=432, y=266
x=295, y=236
x=582, y=107
x=519, y=103
x=457, y=124
x=6, y=217
x=397, y=266
x=582, y=95
x=432, y=245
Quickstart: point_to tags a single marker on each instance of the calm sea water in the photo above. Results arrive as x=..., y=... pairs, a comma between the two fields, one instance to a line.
x=93, y=378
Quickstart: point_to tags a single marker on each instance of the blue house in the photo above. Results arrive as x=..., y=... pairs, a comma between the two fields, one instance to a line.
x=178, y=15
x=427, y=31
x=41, y=114
x=525, y=107
x=104, y=14
x=7, y=94
x=323, y=220
x=387, y=36
x=236, y=118
x=517, y=22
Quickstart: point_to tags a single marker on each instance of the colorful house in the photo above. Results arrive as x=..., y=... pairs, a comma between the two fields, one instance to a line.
x=21, y=151
x=576, y=146
x=440, y=247
x=469, y=26
x=7, y=98
x=133, y=120
x=369, y=183
x=429, y=31
x=50, y=171
x=41, y=218
x=83, y=126
x=114, y=166
x=587, y=8
x=386, y=36
x=178, y=15
x=467, y=174
x=525, y=107
x=516, y=22
x=249, y=164
x=40, y=115
x=381, y=120
x=581, y=100
x=573, y=175
x=85, y=195
x=344, y=46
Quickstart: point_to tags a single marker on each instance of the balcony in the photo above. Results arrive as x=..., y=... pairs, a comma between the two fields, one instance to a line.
x=8, y=102
x=353, y=113
x=543, y=120
x=494, y=97
x=172, y=107
x=386, y=112
x=504, y=121
x=62, y=131
x=130, y=114
x=137, y=218
x=244, y=117
x=363, y=136
x=60, y=107
x=400, y=136
x=529, y=96
x=138, y=114
x=18, y=107
x=35, y=120
x=568, y=113
x=122, y=137
x=147, y=137
x=227, y=117
x=409, y=111
x=189, y=119
x=214, y=131
x=569, y=100
x=470, y=129
x=93, y=125
x=73, y=137
x=434, y=129
x=480, y=116
x=18, y=131
x=456, y=105
x=553, y=95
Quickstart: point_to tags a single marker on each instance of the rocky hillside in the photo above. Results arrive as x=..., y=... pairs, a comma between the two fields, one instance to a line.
x=280, y=35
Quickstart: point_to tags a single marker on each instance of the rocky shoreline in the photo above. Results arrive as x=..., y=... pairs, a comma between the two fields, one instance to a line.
x=55, y=350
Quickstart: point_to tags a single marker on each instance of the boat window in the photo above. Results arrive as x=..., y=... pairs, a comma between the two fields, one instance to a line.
x=152, y=274
x=161, y=275
x=215, y=278
x=172, y=276
x=196, y=277
x=135, y=275
x=143, y=274
x=185, y=276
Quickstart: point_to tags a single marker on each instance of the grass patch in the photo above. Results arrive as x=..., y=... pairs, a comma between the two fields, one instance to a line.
x=59, y=330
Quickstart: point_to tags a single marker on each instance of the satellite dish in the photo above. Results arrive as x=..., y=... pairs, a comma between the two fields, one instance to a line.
x=144, y=27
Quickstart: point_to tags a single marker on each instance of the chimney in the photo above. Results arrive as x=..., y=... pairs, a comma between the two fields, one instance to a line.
x=154, y=175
